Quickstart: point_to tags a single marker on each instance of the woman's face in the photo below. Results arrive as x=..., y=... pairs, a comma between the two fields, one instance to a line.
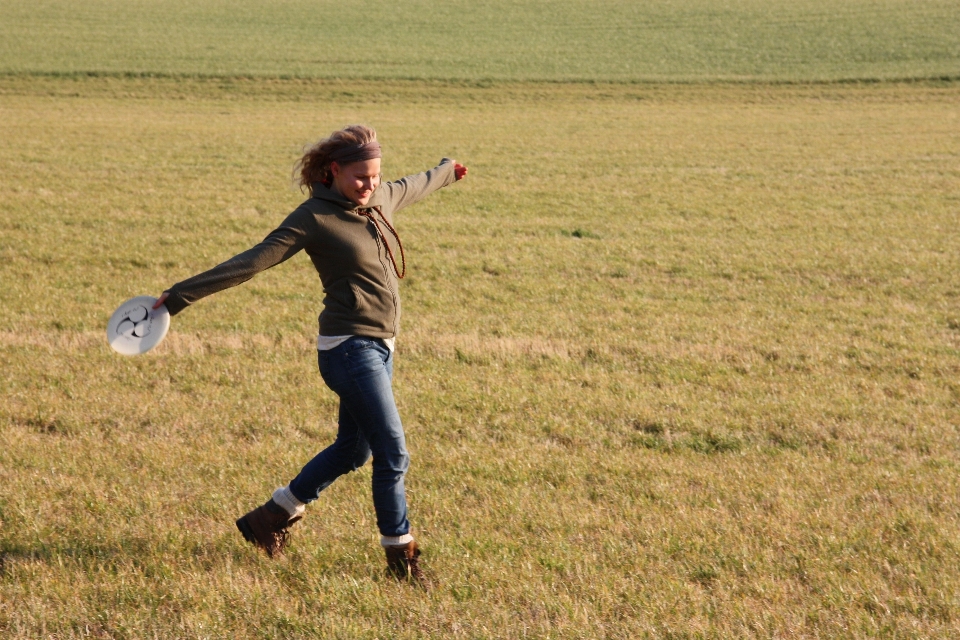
x=357, y=181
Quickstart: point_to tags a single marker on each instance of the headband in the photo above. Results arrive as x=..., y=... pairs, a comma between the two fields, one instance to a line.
x=356, y=153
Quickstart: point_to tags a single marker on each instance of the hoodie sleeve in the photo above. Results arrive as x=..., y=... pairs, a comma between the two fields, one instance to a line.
x=406, y=191
x=281, y=244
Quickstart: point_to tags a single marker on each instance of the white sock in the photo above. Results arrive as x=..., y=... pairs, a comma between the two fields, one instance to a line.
x=395, y=541
x=285, y=498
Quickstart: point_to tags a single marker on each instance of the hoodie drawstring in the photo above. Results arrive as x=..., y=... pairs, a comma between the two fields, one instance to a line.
x=403, y=261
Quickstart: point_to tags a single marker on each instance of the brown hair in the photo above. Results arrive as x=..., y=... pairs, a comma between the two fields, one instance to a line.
x=314, y=166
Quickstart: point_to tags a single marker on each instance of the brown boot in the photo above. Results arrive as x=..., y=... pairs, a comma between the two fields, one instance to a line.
x=403, y=563
x=266, y=527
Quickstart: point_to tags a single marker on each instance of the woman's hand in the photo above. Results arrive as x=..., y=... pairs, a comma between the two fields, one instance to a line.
x=163, y=297
x=459, y=170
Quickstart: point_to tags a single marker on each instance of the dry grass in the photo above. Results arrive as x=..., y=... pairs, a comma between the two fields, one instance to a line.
x=676, y=361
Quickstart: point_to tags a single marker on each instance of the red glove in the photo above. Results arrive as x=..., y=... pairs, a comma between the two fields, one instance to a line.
x=459, y=170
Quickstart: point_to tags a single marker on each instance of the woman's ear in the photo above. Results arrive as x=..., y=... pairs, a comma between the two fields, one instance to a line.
x=334, y=169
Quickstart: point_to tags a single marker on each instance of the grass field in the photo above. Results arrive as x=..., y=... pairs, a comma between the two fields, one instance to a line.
x=678, y=361
x=671, y=40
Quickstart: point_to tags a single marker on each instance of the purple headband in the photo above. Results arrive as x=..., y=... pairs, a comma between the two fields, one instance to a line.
x=356, y=153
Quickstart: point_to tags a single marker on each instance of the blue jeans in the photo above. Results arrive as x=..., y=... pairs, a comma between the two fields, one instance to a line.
x=360, y=371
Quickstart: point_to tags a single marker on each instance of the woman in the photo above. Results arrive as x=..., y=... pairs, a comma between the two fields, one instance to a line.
x=346, y=229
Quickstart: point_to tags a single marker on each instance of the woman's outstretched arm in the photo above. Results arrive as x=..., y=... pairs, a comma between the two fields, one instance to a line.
x=280, y=245
x=406, y=191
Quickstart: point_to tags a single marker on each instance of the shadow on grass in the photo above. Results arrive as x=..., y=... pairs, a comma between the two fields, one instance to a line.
x=660, y=436
x=153, y=558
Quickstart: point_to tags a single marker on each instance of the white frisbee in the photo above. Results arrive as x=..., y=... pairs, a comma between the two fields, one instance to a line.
x=136, y=327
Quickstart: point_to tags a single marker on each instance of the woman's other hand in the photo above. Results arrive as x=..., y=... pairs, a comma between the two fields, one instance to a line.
x=163, y=297
x=459, y=170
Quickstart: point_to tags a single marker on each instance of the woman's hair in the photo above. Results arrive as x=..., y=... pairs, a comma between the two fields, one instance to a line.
x=314, y=166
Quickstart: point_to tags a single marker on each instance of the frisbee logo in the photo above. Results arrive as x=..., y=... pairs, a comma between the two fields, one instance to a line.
x=136, y=324
x=137, y=327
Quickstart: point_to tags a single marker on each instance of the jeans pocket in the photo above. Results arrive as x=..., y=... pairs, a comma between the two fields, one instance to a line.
x=356, y=343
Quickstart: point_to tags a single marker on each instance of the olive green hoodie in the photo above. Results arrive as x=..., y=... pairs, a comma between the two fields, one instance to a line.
x=360, y=287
